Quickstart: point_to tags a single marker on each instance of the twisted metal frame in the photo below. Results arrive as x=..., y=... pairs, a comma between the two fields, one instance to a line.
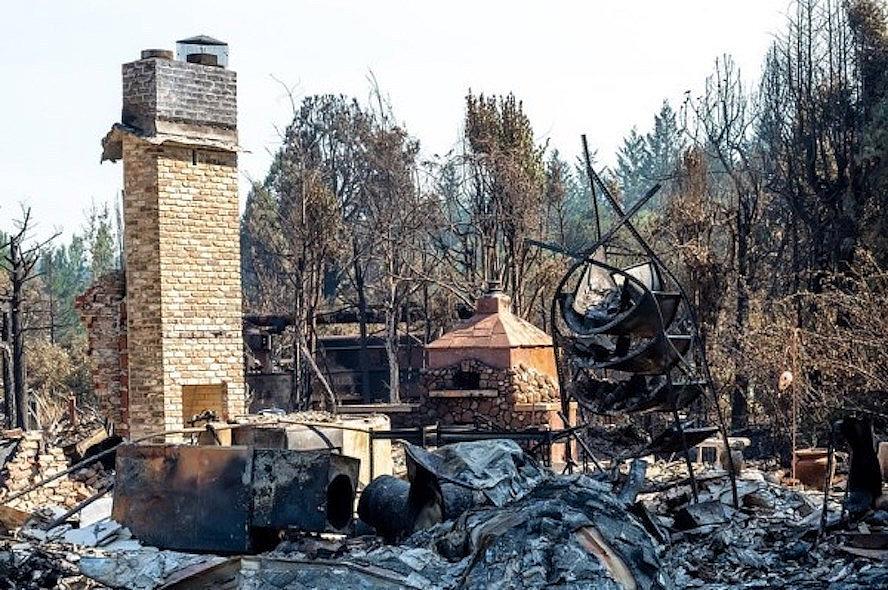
x=697, y=345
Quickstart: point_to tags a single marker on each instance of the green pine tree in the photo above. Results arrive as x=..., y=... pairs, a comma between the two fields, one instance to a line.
x=633, y=160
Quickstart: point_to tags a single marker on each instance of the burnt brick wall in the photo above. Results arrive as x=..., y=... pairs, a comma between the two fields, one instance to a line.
x=102, y=310
x=161, y=89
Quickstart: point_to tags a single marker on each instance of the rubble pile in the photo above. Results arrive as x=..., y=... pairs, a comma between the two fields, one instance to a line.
x=525, y=528
x=31, y=459
x=25, y=565
x=72, y=430
x=95, y=557
x=568, y=532
x=769, y=542
x=521, y=526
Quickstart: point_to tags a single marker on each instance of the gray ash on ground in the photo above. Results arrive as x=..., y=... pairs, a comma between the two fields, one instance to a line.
x=41, y=566
x=769, y=542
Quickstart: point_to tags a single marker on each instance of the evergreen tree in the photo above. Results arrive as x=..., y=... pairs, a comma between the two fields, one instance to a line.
x=632, y=170
x=664, y=145
x=101, y=241
x=65, y=275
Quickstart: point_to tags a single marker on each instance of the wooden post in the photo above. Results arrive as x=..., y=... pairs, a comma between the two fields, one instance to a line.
x=72, y=410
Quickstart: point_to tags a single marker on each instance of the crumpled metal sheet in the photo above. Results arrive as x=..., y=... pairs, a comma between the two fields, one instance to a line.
x=446, y=482
x=565, y=532
x=535, y=530
x=498, y=468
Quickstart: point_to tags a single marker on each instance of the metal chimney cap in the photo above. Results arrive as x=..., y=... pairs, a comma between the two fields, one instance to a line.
x=202, y=44
x=201, y=40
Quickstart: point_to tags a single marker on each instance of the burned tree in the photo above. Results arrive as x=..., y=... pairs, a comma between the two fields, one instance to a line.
x=395, y=217
x=507, y=177
x=19, y=261
x=292, y=229
x=724, y=124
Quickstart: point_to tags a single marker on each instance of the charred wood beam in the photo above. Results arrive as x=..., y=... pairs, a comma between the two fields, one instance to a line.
x=634, y=482
x=277, y=323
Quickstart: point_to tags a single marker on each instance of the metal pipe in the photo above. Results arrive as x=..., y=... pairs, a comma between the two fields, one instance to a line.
x=79, y=506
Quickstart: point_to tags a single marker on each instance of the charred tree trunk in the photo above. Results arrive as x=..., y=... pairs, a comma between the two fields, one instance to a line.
x=17, y=338
x=296, y=398
x=363, y=357
x=739, y=403
x=392, y=310
x=391, y=351
x=6, y=364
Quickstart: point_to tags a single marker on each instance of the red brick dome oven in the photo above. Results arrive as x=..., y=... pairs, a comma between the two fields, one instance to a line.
x=496, y=337
x=493, y=368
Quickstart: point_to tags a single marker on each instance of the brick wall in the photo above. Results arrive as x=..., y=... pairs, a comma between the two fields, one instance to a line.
x=143, y=286
x=158, y=89
x=183, y=280
x=102, y=310
x=200, y=276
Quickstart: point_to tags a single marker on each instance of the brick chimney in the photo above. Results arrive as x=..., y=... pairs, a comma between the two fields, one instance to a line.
x=178, y=142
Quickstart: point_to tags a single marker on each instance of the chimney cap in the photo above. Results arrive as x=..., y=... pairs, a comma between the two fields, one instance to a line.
x=202, y=44
x=202, y=40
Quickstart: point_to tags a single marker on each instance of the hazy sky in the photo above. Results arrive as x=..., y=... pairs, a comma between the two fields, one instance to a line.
x=583, y=66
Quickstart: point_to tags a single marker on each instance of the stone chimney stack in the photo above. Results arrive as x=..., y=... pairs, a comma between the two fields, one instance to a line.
x=178, y=142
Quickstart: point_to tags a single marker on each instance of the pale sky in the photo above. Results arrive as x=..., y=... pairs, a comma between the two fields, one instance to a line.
x=590, y=67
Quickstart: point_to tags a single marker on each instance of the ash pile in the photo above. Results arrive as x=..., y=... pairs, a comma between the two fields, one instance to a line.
x=773, y=540
x=482, y=515
x=468, y=515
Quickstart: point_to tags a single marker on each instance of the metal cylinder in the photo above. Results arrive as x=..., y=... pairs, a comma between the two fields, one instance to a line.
x=396, y=508
x=384, y=505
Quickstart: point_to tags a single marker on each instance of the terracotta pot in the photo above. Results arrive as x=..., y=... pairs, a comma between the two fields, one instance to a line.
x=810, y=467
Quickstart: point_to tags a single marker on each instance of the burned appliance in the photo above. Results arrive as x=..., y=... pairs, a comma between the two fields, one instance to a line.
x=230, y=499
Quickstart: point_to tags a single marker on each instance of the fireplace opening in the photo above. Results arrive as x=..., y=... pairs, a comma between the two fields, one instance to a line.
x=466, y=380
x=197, y=399
x=340, y=501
